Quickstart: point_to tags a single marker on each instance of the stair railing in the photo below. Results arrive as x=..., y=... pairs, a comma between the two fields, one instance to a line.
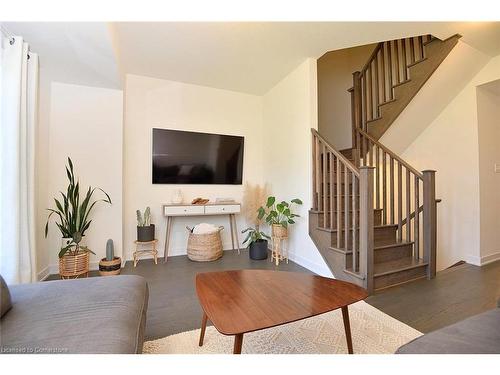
x=406, y=197
x=342, y=195
x=387, y=67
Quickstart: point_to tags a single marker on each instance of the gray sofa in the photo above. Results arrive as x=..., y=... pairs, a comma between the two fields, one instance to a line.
x=479, y=334
x=94, y=315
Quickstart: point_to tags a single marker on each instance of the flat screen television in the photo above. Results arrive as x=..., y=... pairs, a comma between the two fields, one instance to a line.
x=182, y=157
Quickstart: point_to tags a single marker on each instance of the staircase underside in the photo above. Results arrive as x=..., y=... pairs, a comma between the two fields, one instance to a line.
x=436, y=51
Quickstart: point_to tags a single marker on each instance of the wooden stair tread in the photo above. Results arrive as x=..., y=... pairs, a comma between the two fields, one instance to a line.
x=416, y=62
x=393, y=266
x=375, y=227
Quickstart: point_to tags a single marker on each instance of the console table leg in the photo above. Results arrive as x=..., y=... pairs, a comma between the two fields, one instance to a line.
x=203, y=327
x=167, y=238
x=347, y=327
x=236, y=234
x=232, y=229
x=238, y=343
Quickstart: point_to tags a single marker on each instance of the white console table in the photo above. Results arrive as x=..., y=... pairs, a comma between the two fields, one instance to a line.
x=172, y=210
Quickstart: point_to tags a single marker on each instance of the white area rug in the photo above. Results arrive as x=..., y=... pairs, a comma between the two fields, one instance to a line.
x=373, y=332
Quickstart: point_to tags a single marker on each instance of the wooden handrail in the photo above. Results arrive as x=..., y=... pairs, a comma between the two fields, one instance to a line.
x=420, y=209
x=372, y=56
x=391, y=153
x=338, y=154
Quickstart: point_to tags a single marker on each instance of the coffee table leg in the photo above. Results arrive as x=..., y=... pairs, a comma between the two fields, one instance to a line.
x=203, y=327
x=238, y=342
x=347, y=327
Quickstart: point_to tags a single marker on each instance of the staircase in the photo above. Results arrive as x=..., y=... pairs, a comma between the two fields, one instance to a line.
x=374, y=216
x=392, y=76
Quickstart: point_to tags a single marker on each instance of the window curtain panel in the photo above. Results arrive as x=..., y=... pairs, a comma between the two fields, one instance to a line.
x=18, y=113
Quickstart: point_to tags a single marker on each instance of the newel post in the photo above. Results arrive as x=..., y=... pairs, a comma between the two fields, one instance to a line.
x=356, y=105
x=366, y=263
x=430, y=222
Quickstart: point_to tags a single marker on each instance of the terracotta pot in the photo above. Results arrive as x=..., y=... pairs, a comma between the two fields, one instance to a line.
x=279, y=231
x=74, y=265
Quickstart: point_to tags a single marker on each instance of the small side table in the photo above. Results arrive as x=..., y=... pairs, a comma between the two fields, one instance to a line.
x=138, y=251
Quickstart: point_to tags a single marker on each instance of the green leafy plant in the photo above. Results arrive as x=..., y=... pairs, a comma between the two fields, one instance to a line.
x=254, y=235
x=278, y=213
x=73, y=213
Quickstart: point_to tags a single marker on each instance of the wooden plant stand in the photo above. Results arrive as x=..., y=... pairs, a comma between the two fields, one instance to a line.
x=152, y=251
x=279, y=250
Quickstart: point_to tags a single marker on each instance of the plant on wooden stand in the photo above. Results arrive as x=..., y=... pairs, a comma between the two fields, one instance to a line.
x=74, y=221
x=145, y=230
x=279, y=215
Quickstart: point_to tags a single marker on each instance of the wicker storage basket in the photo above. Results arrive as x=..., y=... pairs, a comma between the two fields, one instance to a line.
x=204, y=247
x=74, y=266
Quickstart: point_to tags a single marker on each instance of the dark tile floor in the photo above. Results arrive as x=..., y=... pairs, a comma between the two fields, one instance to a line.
x=173, y=304
x=426, y=305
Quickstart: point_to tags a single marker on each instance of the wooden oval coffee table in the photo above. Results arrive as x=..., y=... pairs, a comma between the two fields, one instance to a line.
x=238, y=302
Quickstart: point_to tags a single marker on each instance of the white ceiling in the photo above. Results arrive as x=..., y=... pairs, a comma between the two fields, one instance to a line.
x=72, y=52
x=249, y=57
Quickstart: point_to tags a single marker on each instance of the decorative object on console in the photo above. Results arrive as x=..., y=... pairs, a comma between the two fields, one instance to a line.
x=224, y=200
x=177, y=197
x=74, y=221
x=110, y=265
x=145, y=230
x=200, y=201
x=279, y=216
x=204, y=245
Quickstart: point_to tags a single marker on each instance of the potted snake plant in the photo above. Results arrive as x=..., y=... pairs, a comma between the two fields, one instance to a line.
x=279, y=215
x=145, y=230
x=73, y=220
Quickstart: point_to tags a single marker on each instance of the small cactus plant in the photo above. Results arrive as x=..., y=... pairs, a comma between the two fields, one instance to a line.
x=144, y=220
x=110, y=250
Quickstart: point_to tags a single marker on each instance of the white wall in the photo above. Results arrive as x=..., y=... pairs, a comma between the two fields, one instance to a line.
x=290, y=111
x=86, y=124
x=156, y=103
x=450, y=146
x=488, y=112
x=335, y=70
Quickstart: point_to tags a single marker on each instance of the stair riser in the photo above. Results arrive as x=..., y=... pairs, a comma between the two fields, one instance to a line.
x=393, y=253
x=382, y=236
x=400, y=277
x=388, y=254
x=377, y=218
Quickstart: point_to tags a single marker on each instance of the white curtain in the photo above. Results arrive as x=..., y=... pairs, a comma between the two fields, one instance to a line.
x=18, y=114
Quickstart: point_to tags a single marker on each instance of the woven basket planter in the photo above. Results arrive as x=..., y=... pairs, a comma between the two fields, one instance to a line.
x=279, y=231
x=204, y=247
x=73, y=266
x=110, y=267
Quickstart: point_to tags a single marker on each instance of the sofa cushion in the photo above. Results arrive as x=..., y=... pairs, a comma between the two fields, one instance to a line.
x=475, y=335
x=5, y=301
x=94, y=315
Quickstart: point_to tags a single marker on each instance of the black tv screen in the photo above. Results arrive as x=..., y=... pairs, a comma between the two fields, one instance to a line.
x=181, y=157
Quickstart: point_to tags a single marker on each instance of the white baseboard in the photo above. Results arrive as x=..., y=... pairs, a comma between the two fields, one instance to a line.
x=317, y=268
x=481, y=261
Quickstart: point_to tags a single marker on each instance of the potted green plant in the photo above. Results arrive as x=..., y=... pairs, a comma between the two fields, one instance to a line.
x=279, y=215
x=256, y=242
x=145, y=230
x=74, y=220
